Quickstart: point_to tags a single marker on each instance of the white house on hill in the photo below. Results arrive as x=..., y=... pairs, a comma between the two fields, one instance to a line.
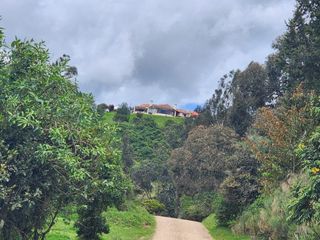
x=163, y=109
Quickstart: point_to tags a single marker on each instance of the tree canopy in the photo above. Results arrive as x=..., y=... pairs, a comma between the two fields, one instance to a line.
x=54, y=149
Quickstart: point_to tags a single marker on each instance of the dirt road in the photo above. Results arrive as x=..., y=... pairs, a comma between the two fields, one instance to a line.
x=178, y=229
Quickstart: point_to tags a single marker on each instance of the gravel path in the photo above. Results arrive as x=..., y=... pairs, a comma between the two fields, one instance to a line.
x=178, y=229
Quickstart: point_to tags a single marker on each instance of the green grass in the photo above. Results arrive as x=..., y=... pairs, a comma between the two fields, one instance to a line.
x=134, y=224
x=62, y=231
x=160, y=120
x=220, y=233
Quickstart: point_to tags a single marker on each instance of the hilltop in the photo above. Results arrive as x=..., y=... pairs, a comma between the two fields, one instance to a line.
x=159, y=120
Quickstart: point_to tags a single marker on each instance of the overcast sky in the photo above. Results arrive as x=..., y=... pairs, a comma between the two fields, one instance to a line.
x=135, y=51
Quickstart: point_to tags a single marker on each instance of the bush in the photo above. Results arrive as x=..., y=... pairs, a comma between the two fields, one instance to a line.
x=90, y=223
x=237, y=192
x=153, y=206
x=122, y=114
x=197, y=207
x=267, y=218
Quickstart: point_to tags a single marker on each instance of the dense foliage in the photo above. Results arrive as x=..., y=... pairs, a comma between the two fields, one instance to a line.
x=123, y=113
x=146, y=146
x=297, y=55
x=54, y=149
x=305, y=204
x=274, y=108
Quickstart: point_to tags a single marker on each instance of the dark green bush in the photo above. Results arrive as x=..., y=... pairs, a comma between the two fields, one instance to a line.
x=237, y=192
x=91, y=223
x=197, y=207
x=122, y=114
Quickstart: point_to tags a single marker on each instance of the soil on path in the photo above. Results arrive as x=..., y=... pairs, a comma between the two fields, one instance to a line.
x=178, y=229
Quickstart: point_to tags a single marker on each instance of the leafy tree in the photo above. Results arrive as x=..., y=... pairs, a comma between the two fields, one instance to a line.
x=54, y=149
x=238, y=191
x=249, y=92
x=167, y=196
x=221, y=100
x=237, y=98
x=90, y=222
x=123, y=113
x=174, y=134
x=201, y=163
x=101, y=108
x=127, y=153
x=198, y=206
x=277, y=133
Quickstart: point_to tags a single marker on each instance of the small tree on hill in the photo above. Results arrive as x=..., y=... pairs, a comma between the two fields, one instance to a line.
x=123, y=113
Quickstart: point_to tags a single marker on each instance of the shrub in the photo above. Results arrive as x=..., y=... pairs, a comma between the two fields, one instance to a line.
x=123, y=113
x=267, y=218
x=237, y=192
x=197, y=207
x=91, y=223
x=153, y=206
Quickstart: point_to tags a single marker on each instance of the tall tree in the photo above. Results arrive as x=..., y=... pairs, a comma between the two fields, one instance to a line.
x=297, y=56
x=249, y=92
x=239, y=95
x=275, y=134
x=201, y=163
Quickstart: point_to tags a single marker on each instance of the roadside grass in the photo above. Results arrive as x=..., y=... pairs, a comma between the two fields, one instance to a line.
x=160, y=120
x=134, y=224
x=220, y=233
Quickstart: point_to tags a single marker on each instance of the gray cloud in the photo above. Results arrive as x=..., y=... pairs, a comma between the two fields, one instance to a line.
x=164, y=50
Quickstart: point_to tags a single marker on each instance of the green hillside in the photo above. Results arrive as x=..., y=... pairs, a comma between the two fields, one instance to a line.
x=160, y=120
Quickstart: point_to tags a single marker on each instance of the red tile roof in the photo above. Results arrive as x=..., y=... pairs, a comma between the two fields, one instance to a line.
x=184, y=111
x=194, y=114
x=143, y=106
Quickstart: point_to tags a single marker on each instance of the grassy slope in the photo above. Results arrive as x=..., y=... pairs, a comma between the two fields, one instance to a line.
x=160, y=120
x=220, y=233
x=134, y=224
